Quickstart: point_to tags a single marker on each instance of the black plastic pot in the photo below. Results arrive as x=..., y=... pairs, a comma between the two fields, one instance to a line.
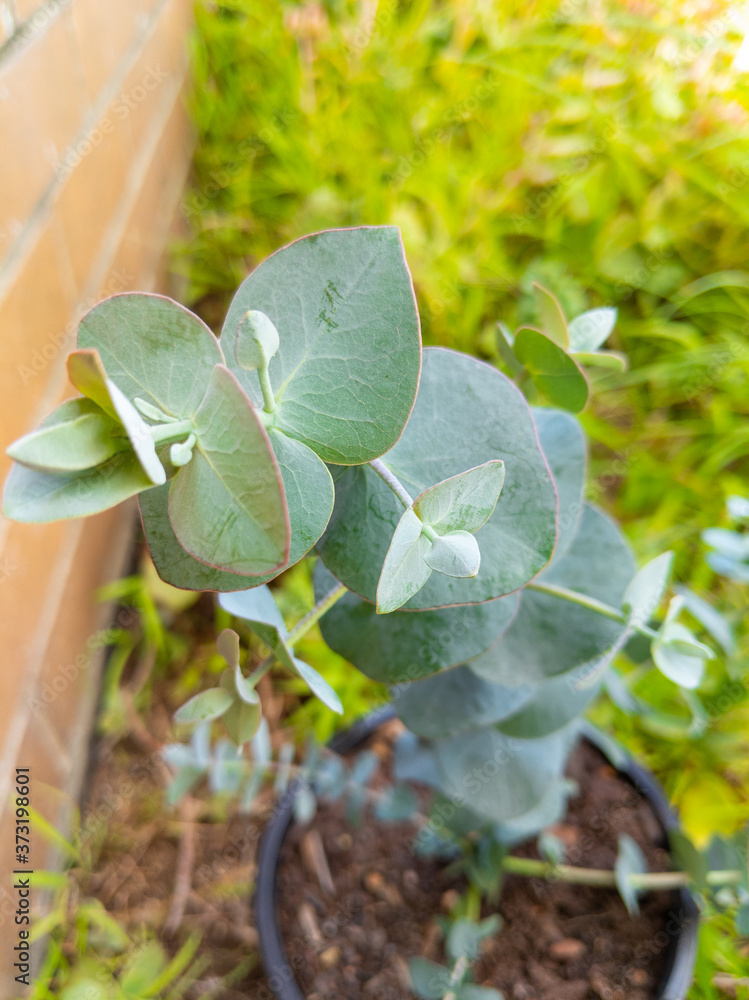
x=682, y=937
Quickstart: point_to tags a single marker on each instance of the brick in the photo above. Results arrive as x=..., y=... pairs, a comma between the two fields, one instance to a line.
x=29, y=556
x=161, y=66
x=99, y=167
x=153, y=213
x=45, y=78
x=69, y=678
x=37, y=333
x=106, y=32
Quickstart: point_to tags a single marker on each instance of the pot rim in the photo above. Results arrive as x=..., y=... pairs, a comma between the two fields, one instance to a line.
x=682, y=947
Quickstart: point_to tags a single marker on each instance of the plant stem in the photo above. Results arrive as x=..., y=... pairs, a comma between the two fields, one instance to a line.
x=301, y=628
x=387, y=476
x=162, y=433
x=269, y=400
x=553, y=590
x=604, y=878
x=313, y=617
x=456, y=977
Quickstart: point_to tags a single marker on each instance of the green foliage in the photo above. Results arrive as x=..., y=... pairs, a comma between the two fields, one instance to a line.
x=353, y=300
x=600, y=154
x=440, y=442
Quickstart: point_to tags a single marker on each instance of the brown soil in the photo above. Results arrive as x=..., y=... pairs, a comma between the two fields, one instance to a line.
x=558, y=941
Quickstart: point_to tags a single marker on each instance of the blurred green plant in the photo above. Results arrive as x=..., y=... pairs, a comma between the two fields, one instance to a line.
x=604, y=154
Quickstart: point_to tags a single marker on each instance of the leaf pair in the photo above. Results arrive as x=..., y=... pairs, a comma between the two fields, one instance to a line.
x=436, y=534
x=449, y=431
x=464, y=939
x=258, y=608
x=553, y=355
x=676, y=652
x=328, y=326
x=235, y=701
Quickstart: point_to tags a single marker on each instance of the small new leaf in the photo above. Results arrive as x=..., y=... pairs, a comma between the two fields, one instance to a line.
x=257, y=341
x=405, y=570
x=472, y=992
x=242, y=721
x=244, y=688
x=464, y=502
x=465, y=937
x=430, y=981
x=87, y=373
x=455, y=554
x=645, y=590
x=318, y=685
x=78, y=435
x=630, y=861
x=679, y=656
x=227, y=644
x=592, y=328
x=180, y=452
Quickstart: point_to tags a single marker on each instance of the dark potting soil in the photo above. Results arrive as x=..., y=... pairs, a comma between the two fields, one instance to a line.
x=351, y=939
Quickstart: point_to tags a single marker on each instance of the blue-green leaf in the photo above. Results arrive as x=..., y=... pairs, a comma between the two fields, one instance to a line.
x=629, y=861
x=207, y=705
x=592, y=328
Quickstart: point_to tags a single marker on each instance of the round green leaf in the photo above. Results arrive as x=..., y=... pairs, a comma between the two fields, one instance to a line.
x=554, y=703
x=309, y=497
x=242, y=721
x=152, y=348
x=227, y=505
x=553, y=371
x=456, y=700
x=497, y=776
x=207, y=705
x=347, y=368
x=564, y=446
x=597, y=564
x=406, y=645
x=487, y=419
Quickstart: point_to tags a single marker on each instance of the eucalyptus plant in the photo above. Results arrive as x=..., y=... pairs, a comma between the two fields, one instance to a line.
x=459, y=562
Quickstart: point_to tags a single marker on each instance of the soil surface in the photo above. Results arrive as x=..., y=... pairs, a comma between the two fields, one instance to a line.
x=351, y=938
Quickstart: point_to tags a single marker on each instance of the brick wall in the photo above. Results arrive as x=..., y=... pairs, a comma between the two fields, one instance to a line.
x=94, y=147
